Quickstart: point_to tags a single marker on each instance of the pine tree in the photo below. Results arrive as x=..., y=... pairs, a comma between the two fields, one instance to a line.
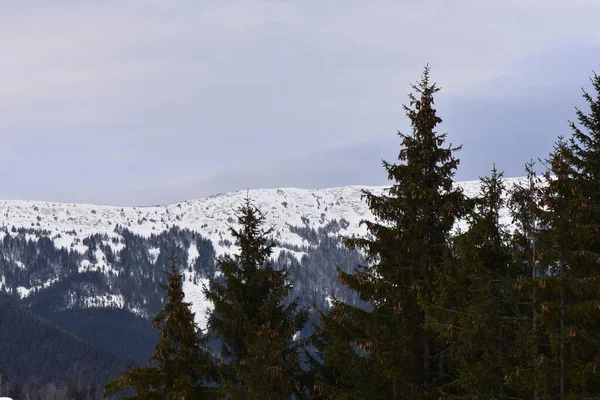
x=525, y=375
x=585, y=152
x=561, y=359
x=386, y=352
x=253, y=317
x=555, y=252
x=181, y=369
x=568, y=252
x=473, y=309
x=584, y=266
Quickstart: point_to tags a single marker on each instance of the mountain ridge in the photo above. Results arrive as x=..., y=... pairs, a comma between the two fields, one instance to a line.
x=93, y=236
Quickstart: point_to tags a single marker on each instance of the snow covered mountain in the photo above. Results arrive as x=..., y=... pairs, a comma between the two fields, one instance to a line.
x=90, y=256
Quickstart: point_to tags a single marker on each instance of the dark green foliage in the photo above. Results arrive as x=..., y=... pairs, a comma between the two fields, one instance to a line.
x=254, y=319
x=583, y=330
x=387, y=352
x=585, y=153
x=523, y=376
x=561, y=358
x=569, y=311
x=181, y=368
x=473, y=312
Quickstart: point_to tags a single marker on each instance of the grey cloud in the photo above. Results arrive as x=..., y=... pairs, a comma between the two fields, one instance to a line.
x=135, y=102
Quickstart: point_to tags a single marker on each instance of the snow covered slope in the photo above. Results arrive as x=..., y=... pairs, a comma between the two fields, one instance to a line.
x=209, y=216
x=66, y=224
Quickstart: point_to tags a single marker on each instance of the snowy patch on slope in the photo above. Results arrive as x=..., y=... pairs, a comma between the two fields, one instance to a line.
x=154, y=252
x=194, y=295
x=24, y=292
x=102, y=301
x=193, y=254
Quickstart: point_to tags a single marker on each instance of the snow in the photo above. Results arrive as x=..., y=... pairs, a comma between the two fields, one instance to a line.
x=193, y=254
x=109, y=300
x=193, y=294
x=24, y=292
x=154, y=252
x=277, y=250
x=329, y=301
x=211, y=216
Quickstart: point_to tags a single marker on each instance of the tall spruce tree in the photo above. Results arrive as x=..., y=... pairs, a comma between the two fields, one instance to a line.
x=385, y=351
x=473, y=309
x=584, y=153
x=568, y=252
x=555, y=250
x=561, y=358
x=181, y=368
x=254, y=319
x=524, y=376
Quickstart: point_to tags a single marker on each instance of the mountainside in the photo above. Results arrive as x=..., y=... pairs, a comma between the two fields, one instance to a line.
x=94, y=270
x=27, y=342
x=99, y=256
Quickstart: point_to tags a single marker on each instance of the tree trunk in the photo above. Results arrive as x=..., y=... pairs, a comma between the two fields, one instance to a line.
x=533, y=317
x=562, y=341
x=426, y=358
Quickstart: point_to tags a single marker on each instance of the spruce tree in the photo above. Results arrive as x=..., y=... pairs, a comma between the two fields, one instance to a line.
x=555, y=252
x=473, y=308
x=524, y=376
x=180, y=367
x=584, y=154
x=385, y=351
x=253, y=317
x=565, y=323
x=568, y=252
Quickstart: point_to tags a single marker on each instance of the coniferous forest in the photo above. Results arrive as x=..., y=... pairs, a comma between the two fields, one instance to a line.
x=475, y=312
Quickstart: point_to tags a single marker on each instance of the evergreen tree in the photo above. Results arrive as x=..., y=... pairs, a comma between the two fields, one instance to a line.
x=253, y=317
x=525, y=377
x=568, y=250
x=386, y=352
x=473, y=308
x=584, y=155
x=181, y=368
x=554, y=251
x=570, y=300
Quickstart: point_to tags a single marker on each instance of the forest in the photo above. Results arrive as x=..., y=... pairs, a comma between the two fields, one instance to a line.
x=475, y=313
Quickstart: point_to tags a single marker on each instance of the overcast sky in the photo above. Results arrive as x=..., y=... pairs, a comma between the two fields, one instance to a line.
x=145, y=102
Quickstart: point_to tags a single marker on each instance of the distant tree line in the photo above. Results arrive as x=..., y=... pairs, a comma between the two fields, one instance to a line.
x=35, y=389
x=28, y=342
x=438, y=313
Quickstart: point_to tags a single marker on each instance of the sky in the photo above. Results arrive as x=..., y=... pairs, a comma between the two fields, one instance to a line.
x=142, y=102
